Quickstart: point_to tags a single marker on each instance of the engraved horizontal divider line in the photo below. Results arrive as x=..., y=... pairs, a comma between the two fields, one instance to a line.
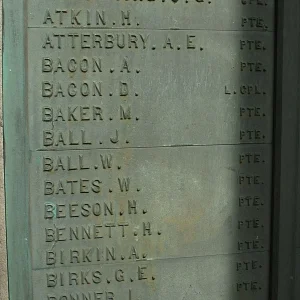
x=153, y=260
x=153, y=147
x=154, y=29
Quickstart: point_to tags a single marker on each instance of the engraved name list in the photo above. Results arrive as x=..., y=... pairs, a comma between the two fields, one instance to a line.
x=150, y=136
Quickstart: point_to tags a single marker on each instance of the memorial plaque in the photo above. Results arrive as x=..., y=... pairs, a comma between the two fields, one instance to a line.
x=147, y=147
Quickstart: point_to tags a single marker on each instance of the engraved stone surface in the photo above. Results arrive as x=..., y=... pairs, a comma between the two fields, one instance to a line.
x=178, y=97
x=150, y=138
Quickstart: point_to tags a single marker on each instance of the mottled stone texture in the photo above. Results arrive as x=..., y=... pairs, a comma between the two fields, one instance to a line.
x=3, y=269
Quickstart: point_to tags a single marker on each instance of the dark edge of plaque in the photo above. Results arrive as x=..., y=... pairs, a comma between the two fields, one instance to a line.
x=286, y=150
x=16, y=150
